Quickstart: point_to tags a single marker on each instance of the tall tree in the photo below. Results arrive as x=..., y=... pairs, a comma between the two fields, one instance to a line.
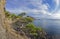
x=2, y=18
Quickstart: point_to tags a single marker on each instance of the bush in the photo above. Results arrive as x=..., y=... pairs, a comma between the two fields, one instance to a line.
x=7, y=14
x=22, y=14
x=32, y=29
x=29, y=19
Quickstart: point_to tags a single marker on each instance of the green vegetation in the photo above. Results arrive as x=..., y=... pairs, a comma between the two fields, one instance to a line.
x=34, y=32
x=7, y=14
x=22, y=14
x=33, y=29
x=25, y=24
x=13, y=16
x=29, y=19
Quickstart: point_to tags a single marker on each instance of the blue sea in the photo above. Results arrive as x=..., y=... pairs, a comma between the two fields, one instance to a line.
x=52, y=26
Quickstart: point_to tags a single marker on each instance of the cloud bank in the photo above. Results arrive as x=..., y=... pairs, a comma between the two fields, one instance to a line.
x=40, y=8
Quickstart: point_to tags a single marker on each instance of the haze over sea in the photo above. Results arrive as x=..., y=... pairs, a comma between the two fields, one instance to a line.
x=52, y=26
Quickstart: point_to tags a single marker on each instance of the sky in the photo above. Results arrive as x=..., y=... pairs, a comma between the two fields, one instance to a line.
x=36, y=8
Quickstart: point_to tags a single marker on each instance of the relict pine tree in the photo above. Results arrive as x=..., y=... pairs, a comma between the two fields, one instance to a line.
x=2, y=18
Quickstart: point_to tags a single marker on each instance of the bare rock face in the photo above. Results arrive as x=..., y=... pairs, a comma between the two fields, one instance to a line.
x=6, y=32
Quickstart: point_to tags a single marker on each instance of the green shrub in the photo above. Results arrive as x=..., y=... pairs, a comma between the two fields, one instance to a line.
x=22, y=14
x=33, y=29
x=29, y=19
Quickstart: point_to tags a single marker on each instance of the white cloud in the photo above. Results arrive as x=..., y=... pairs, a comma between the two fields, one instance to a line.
x=41, y=8
x=57, y=4
x=56, y=15
x=57, y=1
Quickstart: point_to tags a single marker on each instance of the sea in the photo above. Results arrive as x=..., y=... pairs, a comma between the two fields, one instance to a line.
x=51, y=26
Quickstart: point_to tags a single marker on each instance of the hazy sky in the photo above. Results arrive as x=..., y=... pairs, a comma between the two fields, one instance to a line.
x=35, y=8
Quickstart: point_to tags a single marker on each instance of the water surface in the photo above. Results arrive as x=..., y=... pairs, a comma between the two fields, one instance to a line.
x=52, y=26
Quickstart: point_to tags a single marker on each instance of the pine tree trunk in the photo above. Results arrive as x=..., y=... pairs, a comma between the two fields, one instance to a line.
x=2, y=17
